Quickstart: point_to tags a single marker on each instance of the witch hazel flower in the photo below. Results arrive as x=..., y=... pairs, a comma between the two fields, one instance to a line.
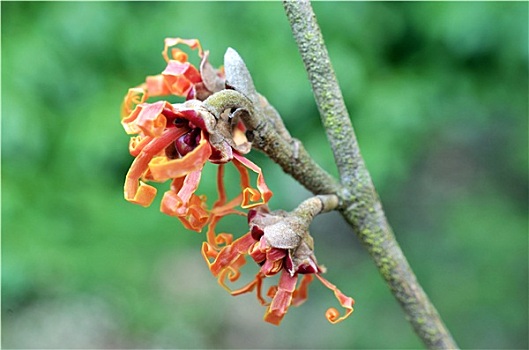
x=173, y=141
x=280, y=243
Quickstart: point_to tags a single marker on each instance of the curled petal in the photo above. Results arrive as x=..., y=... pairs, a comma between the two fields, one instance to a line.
x=282, y=298
x=271, y=268
x=209, y=252
x=192, y=43
x=244, y=176
x=137, y=143
x=221, y=208
x=163, y=168
x=133, y=98
x=257, y=284
x=232, y=273
x=251, y=196
x=186, y=190
x=256, y=253
x=150, y=119
x=220, y=187
x=156, y=85
x=180, y=77
x=144, y=195
x=302, y=292
x=215, y=240
x=196, y=216
x=181, y=202
x=136, y=191
x=178, y=55
x=332, y=315
x=274, y=261
x=223, y=239
x=229, y=255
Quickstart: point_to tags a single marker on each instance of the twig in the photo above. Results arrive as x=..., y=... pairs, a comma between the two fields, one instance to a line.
x=361, y=206
x=289, y=154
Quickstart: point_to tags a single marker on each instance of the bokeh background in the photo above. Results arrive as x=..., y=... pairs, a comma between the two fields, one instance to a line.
x=438, y=94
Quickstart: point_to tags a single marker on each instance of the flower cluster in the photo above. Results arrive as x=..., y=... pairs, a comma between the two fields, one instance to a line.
x=280, y=243
x=174, y=141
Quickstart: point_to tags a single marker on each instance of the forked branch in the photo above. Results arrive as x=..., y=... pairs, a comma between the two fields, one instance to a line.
x=361, y=206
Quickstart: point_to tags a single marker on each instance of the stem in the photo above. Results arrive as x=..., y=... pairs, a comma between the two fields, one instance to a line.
x=361, y=206
x=288, y=153
x=316, y=205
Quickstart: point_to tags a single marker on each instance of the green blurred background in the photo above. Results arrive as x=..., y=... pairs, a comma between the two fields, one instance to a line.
x=437, y=93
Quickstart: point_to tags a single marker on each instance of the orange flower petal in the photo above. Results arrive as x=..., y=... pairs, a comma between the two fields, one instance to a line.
x=196, y=216
x=346, y=302
x=208, y=252
x=273, y=262
x=141, y=193
x=162, y=168
x=302, y=292
x=150, y=118
x=133, y=98
x=180, y=77
x=192, y=43
x=217, y=240
x=144, y=195
x=229, y=255
x=282, y=298
x=181, y=202
x=190, y=186
x=257, y=284
x=178, y=55
x=221, y=208
x=157, y=86
x=173, y=205
x=220, y=187
x=137, y=143
x=250, y=195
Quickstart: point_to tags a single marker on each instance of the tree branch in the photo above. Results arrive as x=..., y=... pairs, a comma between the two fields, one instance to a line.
x=288, y=152
x=360, y=204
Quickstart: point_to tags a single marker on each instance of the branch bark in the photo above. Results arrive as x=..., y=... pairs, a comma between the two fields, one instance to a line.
x=360, y=204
